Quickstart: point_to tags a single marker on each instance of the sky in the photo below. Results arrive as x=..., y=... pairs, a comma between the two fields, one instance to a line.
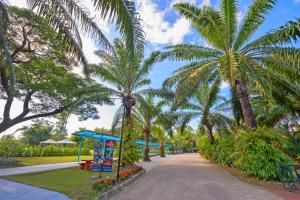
x=163, y=27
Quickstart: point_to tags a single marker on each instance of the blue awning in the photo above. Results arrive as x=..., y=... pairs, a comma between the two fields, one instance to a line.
x=92, y=134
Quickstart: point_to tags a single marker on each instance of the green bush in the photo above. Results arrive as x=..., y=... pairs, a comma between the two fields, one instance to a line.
x=256, y=152
x=9, y=147
x=259, y=154
x=223, y=151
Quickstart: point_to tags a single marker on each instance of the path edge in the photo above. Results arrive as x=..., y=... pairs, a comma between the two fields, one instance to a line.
x=119, y=187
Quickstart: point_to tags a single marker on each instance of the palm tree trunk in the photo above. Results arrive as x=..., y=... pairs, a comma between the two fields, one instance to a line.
x=210, y=132
x=162, y=148
x=211, y=136
x=245, y=103
x=146, y=140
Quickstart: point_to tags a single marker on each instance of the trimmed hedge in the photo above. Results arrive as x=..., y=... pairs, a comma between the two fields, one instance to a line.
x=255, y=152
x=51, y=150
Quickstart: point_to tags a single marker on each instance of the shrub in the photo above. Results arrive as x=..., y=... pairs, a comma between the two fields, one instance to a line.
x=259, y=154
x=9, y=147
x=256, y=152
x=128, y=172
x=104, y=183
x=223, y=151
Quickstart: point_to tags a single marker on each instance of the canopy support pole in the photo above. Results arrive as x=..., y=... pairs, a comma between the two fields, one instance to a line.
x=79, y=152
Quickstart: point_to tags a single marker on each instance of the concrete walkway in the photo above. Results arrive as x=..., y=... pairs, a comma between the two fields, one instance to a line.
x=189, y=177
x=16, y=191
x=36, y=168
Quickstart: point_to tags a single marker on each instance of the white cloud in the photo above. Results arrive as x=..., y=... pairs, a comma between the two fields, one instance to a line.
x=205, y=3
x=224, y=85
x=240, y=16
x=158, y=30
x=19, y=3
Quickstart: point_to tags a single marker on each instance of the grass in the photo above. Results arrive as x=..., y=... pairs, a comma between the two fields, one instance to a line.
x=73, y=182
x=40, y=160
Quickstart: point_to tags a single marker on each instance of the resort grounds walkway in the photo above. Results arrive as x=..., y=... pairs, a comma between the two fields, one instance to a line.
x=16, y=191
x=36, y=168
x=189, y=177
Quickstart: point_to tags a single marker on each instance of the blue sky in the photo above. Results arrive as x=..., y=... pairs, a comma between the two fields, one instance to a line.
x=163, y=27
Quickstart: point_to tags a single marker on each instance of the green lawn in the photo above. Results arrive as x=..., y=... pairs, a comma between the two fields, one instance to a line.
x=28, y=161
x=73, y=182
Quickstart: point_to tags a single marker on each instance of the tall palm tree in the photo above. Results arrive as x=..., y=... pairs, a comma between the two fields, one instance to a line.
x=234, y=57
x=146, y=113
x=126, y=76
x=212, y=109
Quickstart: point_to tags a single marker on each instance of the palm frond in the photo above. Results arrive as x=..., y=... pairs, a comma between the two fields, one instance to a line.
x=253, y=19
x=287, y=34
x=207, y=21
x=123, y=12
x=59, y=18
x=229, y=10
x=189, y=52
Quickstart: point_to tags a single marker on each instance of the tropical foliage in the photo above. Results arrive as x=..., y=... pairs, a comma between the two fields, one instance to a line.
x=147, y=113
x=269, y=65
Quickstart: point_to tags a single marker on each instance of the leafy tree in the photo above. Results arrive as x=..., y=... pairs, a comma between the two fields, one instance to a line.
x=44, y=83
x=186, y=140
x=68, y=16
x=146, y=113
x=269, y=62
x=36, y=133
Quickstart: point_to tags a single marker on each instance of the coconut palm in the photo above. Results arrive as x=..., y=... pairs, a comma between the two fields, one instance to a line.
x=126, y=76
x=146, y=113
x=212, y=108
x=232, y=55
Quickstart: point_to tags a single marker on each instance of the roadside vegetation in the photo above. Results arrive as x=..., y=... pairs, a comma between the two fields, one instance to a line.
x=253, y=126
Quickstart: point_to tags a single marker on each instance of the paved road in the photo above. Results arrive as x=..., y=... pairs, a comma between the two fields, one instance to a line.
x=36, y=168
x=189, y=177
x=16, y=191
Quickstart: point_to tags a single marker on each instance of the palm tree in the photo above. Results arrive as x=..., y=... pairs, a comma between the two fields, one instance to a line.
x=159, y=133
x=212, y=109
x=146, y=113
x=265, y=62
x=126, y=76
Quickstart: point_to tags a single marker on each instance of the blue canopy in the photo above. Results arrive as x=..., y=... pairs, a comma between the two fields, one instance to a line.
x=93, y=134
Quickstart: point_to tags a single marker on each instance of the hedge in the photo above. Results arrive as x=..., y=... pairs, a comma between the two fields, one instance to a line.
x=255, y=152
x=50, y=150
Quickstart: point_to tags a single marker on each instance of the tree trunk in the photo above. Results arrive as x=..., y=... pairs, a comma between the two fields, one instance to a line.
x=245, y=103
x=146, y=140
x=210, y=134
x=162, y=148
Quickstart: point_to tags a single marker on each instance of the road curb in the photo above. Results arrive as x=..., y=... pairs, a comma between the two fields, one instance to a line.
x=119, y=187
